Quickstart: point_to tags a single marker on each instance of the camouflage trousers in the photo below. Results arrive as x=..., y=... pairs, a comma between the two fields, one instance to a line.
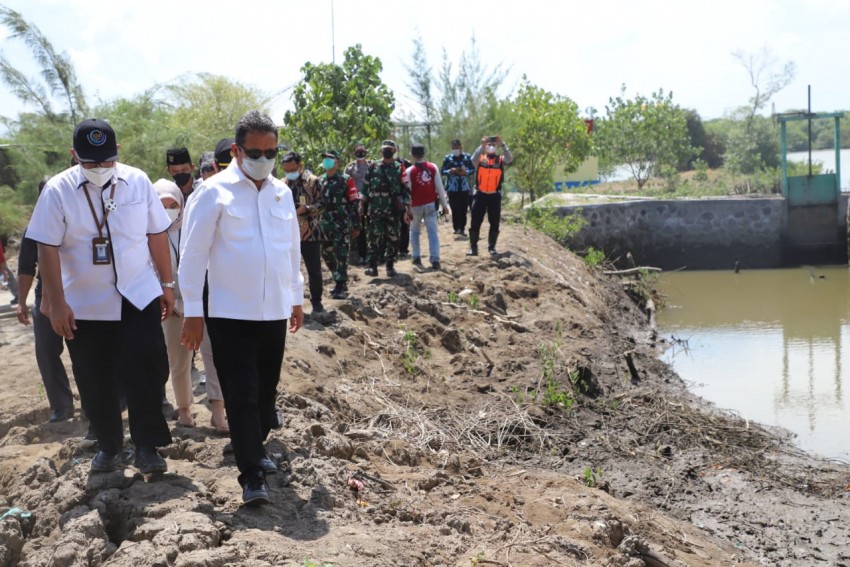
x=383, y=239
x=335, y=252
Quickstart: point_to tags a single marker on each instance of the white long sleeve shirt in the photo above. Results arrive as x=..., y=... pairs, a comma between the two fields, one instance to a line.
x=62, y=218
x=249, y=241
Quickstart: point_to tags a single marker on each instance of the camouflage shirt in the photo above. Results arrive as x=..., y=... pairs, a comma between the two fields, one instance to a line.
x=384, y=191
x=338, y=197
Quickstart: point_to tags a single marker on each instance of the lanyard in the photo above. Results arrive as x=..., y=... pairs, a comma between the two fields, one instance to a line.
x=102, y=223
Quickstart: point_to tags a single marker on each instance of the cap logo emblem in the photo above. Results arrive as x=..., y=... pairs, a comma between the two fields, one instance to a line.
x=96, y=138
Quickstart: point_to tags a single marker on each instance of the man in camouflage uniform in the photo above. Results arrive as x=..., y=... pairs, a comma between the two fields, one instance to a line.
x=357, y=170
x=305, y=192
x=386, y=195
x=339, y=221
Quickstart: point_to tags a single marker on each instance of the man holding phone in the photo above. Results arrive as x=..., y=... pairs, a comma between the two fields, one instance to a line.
x=489, y=175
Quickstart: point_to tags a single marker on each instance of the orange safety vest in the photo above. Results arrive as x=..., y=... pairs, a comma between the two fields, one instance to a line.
x=490, y=174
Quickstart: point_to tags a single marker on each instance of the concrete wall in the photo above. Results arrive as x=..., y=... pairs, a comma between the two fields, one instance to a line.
x=699, y=234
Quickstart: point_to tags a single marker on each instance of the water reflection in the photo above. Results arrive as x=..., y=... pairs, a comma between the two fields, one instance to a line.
x=768, y=344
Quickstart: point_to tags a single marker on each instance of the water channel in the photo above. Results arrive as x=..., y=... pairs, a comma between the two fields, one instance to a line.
x=771, y=345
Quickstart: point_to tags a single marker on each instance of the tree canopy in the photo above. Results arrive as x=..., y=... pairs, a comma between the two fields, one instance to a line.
x=337, y=106
x=649, y=135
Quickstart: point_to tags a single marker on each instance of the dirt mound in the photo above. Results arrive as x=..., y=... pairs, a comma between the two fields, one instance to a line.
x=502, y=411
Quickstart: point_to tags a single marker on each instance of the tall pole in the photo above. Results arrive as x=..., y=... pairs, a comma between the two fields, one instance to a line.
x=333, y=35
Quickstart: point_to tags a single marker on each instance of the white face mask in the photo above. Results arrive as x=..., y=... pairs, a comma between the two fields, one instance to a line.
x=491, y=149
x=455, y=153
x=99, y=176
x=257, y=169
x=173, y=214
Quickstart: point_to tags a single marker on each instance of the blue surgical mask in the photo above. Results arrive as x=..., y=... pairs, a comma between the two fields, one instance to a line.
x=293, y=175
x=328, y=163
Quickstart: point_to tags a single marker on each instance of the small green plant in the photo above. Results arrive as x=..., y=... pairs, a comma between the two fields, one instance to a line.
x=518, y=395
x=42, y=394
x=594, y=257
x=473, y=301
x=592, y=476
x=553, y=395
x=476, y=561
x=701, y=170
x=411, y=353
x=453, y=298
x=308, y=563
x=546, y=219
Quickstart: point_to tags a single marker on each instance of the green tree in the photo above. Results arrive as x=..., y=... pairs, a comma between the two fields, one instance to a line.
x=339, y=105
x=58, y=77
x=206, y=107
x=649, y=135
x=545, y=130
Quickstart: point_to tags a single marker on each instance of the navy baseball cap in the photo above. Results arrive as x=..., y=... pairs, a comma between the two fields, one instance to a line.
x=94, y=140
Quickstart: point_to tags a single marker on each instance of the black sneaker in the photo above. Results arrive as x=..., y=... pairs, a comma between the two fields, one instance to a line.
x=371, y=271
x=149, y=461
x=436, y=266
x=338, y=291
x=492, y=251
x=472, y=252
x=269, y=466
x=61, y=415
x=105, y=462
x=255, y=492
x=417, y=262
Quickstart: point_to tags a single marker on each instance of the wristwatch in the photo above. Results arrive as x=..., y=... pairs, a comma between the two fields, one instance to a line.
x=169, y=285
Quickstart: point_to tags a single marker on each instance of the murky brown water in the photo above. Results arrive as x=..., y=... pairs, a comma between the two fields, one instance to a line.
x=773, y=345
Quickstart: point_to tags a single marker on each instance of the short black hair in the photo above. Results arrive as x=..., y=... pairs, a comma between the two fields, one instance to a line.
x=254, y=121
x=456, y=143
x=291, y=156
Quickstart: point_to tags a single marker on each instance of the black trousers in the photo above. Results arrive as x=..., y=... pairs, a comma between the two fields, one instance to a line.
x=362, y=241
x=248, y=356
x=48, y=350
x=311, y=252
x=491, y=205
x=111, y=357
x=459, y=203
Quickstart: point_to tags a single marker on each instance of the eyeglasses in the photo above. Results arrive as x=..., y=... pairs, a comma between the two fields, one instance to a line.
x=94, y=164
x=255, y=153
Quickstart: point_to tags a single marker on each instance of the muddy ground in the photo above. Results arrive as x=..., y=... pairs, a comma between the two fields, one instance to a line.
x=505, y=411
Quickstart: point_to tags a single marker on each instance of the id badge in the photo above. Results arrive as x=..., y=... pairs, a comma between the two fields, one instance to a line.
x=100, y=251
x=302, y=200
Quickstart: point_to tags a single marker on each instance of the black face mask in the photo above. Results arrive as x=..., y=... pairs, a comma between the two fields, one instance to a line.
x=388, y=153
x=181, y=179
x=360, y=154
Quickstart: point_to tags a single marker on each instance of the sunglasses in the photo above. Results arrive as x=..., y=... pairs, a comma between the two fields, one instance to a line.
x=256, y=154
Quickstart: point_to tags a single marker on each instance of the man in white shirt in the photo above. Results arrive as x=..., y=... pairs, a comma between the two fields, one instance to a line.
x=241, y=227
x=98, y=226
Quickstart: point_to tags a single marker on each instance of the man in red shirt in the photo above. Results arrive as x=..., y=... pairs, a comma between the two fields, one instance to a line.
x=426, y=187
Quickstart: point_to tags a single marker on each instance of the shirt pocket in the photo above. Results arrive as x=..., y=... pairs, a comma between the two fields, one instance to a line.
x=236, y=223
x=129, y=220
x=281, y=223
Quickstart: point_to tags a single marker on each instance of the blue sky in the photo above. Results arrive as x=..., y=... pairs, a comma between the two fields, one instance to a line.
x=584, y=50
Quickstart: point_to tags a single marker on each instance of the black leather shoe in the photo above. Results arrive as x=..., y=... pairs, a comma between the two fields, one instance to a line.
x=472, y=252
x=318, y=307
x=61, y=415
x=149, y=461
x=436, y=266
x=338, y=292
x=269, y=466
x=255, y=492
x=105, y=462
